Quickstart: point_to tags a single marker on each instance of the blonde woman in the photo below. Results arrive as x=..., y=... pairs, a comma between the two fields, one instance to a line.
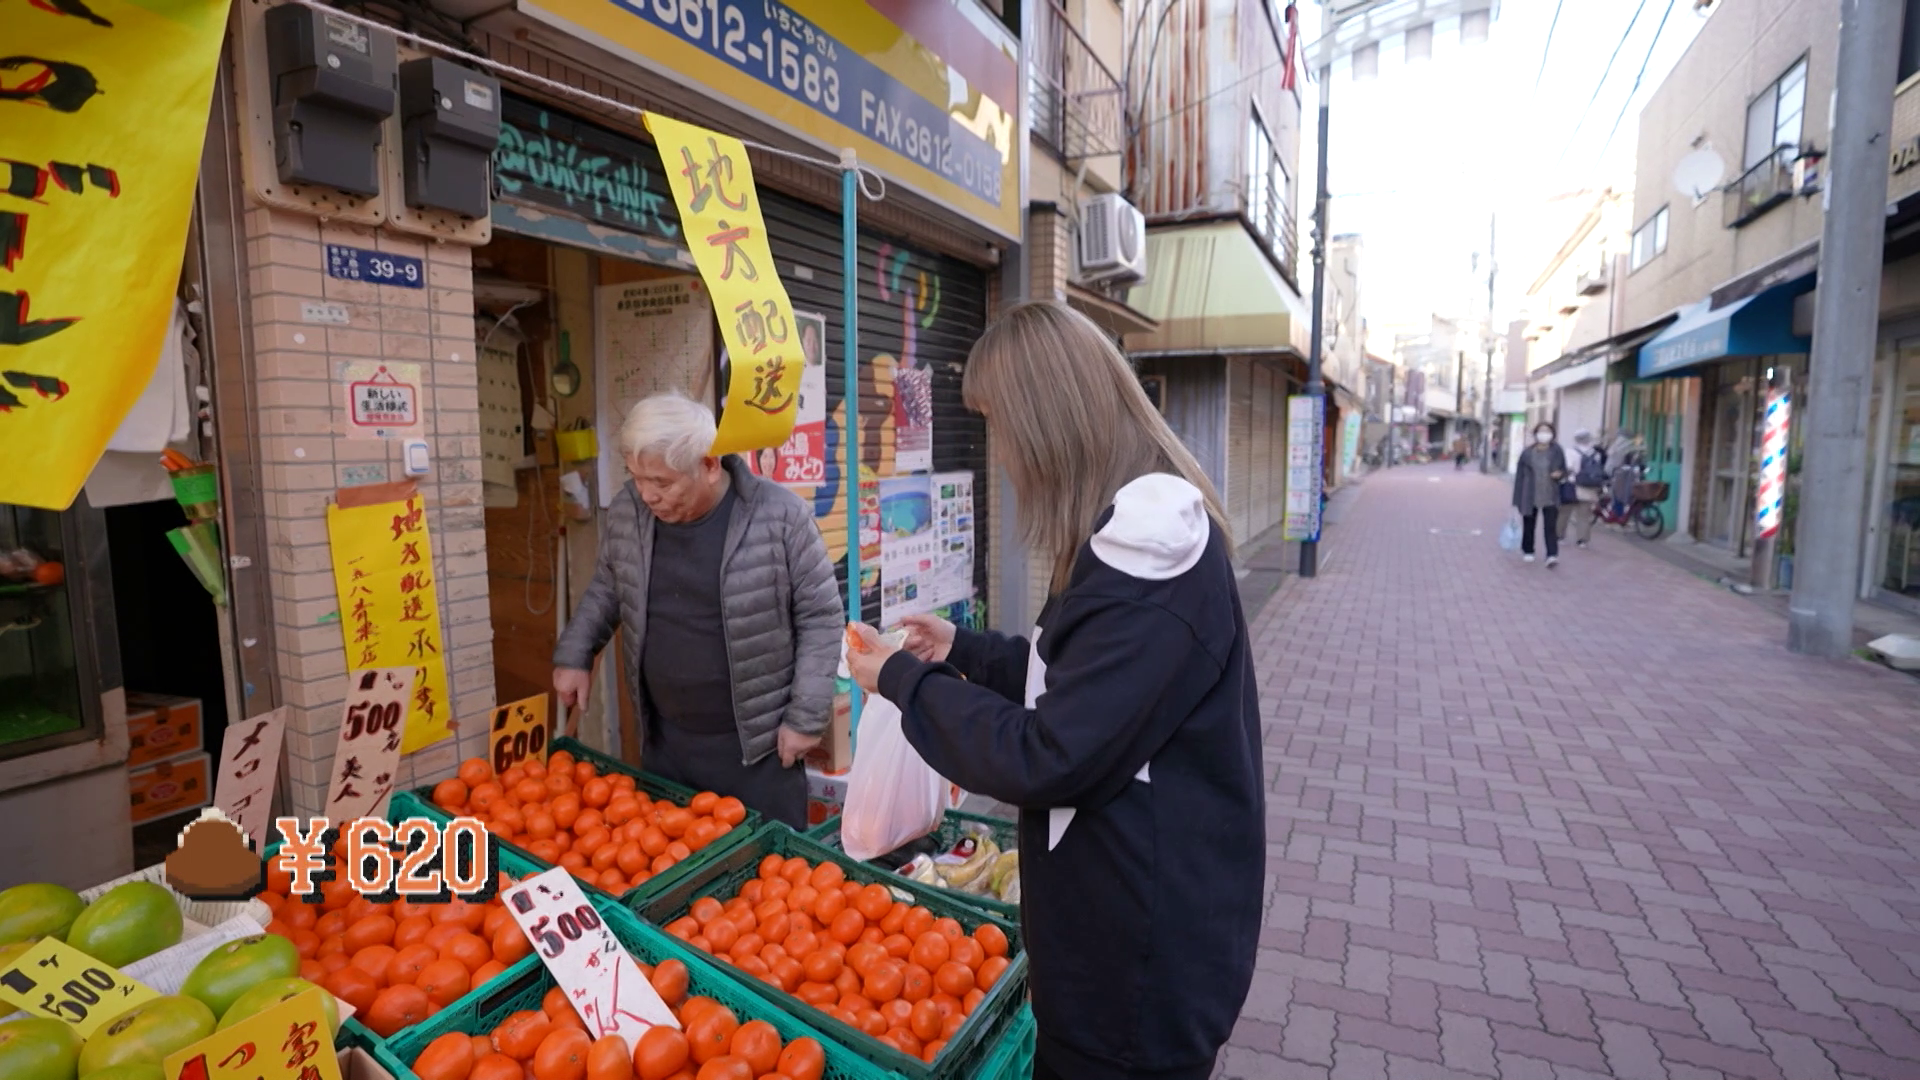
x=1127, y=729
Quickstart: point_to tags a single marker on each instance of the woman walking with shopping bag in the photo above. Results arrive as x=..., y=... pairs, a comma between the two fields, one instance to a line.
x=1537, y=492
x=1127, y=729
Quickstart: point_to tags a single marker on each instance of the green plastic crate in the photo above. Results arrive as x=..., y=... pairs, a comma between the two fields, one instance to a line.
x=722, y=879
x=1012, y=1056
x=654, y=787
x=527, y=982
x=1005, y=833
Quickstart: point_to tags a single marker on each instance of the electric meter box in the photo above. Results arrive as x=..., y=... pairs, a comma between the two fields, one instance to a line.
x=449, y=125
x=334, y=86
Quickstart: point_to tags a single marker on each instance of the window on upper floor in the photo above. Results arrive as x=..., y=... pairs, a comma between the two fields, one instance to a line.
x=1773, y=118
x=1910, y=41
x=1650, y=239
x=1267, y=193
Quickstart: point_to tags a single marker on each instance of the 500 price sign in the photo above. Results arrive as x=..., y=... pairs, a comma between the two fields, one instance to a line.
x=57, y=980
x=594, y=970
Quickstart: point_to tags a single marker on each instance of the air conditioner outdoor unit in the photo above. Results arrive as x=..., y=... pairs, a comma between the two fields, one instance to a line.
x=1113, y=240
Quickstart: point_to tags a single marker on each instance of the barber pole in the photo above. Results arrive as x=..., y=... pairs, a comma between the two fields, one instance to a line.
x=1773, y=464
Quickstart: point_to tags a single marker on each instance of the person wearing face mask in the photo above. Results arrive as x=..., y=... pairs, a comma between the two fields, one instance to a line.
x=1536, y=492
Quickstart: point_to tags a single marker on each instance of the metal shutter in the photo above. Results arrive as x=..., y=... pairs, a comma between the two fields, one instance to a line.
x=945, y=318
x=1240, y=460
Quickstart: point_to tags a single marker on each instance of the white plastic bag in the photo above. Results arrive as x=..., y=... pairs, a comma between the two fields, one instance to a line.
x=893, y=796
x=1510, y=535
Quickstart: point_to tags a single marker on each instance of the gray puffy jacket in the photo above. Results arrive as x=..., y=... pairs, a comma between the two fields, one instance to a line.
x=781, y=606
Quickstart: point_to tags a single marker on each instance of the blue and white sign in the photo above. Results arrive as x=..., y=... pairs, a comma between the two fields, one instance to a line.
x=375, y=267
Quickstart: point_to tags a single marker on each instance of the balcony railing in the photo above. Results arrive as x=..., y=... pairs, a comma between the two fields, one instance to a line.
x=1272, y=224
x=1076, y=100
x=1761, y=188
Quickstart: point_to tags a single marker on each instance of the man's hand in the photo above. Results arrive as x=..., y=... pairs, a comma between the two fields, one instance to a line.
x=570, y=686
x=794, y=746
x=865, y=661
x=929, y=637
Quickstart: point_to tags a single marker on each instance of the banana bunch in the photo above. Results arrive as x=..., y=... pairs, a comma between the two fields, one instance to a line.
x=976, y=866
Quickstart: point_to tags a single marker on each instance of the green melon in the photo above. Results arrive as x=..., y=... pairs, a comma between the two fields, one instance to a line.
x=35, y=1048
x=131, y=922
x=31, y=912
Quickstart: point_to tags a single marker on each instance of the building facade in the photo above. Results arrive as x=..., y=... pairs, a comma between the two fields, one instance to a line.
x=1722, y=265
x=1213, y=164
x=1572, y=306
x=468, y=359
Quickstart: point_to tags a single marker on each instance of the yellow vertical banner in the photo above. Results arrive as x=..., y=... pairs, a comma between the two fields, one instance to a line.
x=712, y=183
x=389, y=606
x=103, y=110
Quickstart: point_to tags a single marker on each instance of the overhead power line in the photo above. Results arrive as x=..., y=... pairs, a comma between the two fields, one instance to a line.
x=1631, y=23
x=1625, y=105
x=1547, y=49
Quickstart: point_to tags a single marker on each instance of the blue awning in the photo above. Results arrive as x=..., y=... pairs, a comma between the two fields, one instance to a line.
x=1759, y=325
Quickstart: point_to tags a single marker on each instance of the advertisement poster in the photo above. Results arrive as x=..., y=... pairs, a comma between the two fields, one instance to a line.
x=652, y=336
x=93, y=220
x=383, y=398
x=712, y=183
x=913, y=419
x=1303, y=468
x=952, y=576
x=909, y=548
x=801, y=461
x=383, y=573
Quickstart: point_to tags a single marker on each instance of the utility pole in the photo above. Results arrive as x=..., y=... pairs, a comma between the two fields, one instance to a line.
x=1316, y=386
x=1486, y=399
x=1846, y=317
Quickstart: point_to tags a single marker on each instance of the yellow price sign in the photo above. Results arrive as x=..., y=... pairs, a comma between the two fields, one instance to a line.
x=290, y=1041
x=55, y=979
x=519, y=732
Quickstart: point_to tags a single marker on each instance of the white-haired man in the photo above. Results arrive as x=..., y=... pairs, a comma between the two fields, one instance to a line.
x=730, y=612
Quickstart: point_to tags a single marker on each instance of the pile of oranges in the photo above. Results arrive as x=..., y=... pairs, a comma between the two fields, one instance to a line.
x=565, y=813
x=882, y=966
x=396, y=963
x=551, y=1043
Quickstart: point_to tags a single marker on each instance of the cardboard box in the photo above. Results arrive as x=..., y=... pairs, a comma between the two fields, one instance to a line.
x=835, y=752
x=161, y=727
x=357, y=1064
x=170, y=787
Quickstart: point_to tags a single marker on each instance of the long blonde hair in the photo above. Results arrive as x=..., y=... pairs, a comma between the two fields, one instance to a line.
x=1072, y=425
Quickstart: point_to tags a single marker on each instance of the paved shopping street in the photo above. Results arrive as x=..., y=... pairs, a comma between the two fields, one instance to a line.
x=1588, y=822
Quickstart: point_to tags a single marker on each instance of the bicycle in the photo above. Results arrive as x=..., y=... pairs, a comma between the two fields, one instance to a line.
x=1642, y=511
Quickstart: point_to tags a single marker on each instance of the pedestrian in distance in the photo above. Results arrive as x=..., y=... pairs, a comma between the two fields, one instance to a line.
x=731, y=620
x=1127, y=728
x=1589, y=465
x=1536, y=492
x=1460, y=450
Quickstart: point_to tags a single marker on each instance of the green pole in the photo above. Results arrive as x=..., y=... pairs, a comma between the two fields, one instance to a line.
x=850, y=435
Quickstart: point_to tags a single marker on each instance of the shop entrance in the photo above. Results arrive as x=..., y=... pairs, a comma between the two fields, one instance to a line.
x=1730, y=459
x=1896, y=408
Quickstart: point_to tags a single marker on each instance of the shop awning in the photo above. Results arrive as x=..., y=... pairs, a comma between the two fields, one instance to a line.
x=1212, y=290
x=1113, y=316
x=1756, y=325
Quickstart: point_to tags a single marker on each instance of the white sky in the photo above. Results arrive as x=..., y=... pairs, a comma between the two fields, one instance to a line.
x=1424, y=153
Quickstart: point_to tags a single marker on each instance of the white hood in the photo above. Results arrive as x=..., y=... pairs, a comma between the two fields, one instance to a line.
x=1158, y=530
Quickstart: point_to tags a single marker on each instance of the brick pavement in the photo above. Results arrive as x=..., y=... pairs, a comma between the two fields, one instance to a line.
x=1593, y=822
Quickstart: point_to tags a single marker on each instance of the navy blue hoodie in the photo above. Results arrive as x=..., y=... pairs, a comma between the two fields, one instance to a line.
x=1128, y=733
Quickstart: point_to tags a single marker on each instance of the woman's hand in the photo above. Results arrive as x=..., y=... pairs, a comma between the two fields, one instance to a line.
x=929, y=637
x=865, y=660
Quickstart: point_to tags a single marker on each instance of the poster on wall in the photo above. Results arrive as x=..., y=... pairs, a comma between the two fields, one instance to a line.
x=502, y=437
x=951, y=580
x=651, y=336
x=909, y=546
x=913, y=419
x=93, y=220
x=1304, y=419
x=801, y=461
x=383, y=398
x=383, y=575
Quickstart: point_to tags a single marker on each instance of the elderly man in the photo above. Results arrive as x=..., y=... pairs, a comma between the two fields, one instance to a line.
x=731, y=615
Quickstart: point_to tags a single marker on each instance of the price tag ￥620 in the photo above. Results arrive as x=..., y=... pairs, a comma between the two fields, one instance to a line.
x=519, y=732
x=597, y=974
x=55, y=979
x=290, y=1041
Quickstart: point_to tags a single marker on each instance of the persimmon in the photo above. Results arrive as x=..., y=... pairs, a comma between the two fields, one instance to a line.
x=991, y=938
x=562, y=1055
x=445, y=981
x=711, y=1035
x=353, y=986
x=497, y=1066
x=520, y=1034
x=395, y=1008
x=953, y=978
x=608, y=1059
x=803, y=1059
x=990, y=972
x=449, y=1057
x=670, y=980
x=725, y=1067
x=757, y=1043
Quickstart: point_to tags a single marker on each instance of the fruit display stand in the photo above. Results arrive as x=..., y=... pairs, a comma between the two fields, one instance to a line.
x=525, y=985
x=969, y=1047
x=399, y=808
x=653, y=787
x=952, y=829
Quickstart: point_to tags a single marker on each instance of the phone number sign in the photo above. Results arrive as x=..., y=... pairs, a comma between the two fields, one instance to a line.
x=376, y=267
